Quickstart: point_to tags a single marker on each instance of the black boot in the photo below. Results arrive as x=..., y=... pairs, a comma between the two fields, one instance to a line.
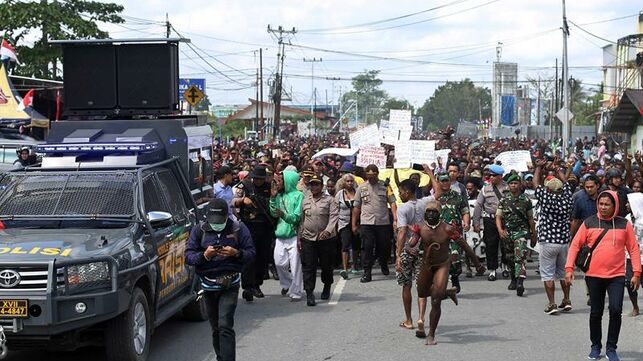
x=512, y=284
x=326, y=292
x=520, y=289
x=366, y=277
x=310, y=298
x=273, y=271
x=247, y=295
x=455, y=282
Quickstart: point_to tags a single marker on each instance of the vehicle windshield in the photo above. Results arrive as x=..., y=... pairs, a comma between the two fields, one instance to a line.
x=60, y=200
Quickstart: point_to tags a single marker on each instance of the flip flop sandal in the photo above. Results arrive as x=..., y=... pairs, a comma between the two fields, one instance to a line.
x=404, y=325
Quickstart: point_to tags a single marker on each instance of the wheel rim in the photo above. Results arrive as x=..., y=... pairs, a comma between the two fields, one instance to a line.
x=139, y=328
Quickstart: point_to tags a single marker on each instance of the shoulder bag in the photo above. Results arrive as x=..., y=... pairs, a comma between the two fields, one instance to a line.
x=584, y=256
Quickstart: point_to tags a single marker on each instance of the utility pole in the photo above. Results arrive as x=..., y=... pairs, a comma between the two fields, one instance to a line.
x=312, y=80
x=566, y=122
x=538, y=103
x=556, y=105
x=168, y=26
x=261, y=125
x=255, y=124
x=279, y=33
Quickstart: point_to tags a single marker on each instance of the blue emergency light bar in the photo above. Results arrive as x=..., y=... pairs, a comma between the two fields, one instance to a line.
x=97, y=147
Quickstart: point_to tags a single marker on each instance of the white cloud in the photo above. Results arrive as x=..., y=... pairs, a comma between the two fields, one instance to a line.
x=512, y=21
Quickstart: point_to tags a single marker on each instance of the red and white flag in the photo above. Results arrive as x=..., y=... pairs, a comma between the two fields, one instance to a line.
x=26, y=101
x=7, y=51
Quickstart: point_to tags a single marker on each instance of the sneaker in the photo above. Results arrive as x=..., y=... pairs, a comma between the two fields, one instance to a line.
x=310, y=299
x=566, y=305
x=257, y=292
x=344, y=274
x=247, y=295
x=385, y=270
x=284, y=291
x=612, y=355
x=551, y=309
x=354, y=270
x=505, y=274
x=595, y=353
x=366, y=277
x=492, y=276
x=512, y=285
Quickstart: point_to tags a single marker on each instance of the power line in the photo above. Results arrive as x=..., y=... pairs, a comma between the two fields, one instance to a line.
x=383, y=20
x=598, y=37
x=407, y=24
x=609, y=20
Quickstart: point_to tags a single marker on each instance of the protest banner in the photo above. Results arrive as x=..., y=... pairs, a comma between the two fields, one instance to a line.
x=517, y=160
x=371, y=154
x=399, y=118
x=422, y=151
x=388, y=134
x=443, y=156
x=303, y=128
x=369, y=135
x=403, y=155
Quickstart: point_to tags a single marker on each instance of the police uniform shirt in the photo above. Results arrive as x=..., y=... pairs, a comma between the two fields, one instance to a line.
x=373, y=201
x=487, y=202
x=320, y=215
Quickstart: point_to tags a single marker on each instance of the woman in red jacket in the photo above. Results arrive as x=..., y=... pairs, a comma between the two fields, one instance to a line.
x=606, y=273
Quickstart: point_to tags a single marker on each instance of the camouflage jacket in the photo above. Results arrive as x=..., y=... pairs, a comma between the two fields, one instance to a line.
x=453, y=208
x=516, y=224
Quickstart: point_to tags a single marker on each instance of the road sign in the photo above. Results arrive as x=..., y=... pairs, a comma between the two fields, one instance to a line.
x=561, y=114
x=184, y=84
x=193, y=95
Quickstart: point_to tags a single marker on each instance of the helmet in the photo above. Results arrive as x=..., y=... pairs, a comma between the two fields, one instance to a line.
x=612, y=173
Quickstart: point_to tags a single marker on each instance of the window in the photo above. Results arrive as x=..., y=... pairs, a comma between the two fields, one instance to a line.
x=152, y=196
x=170, y=190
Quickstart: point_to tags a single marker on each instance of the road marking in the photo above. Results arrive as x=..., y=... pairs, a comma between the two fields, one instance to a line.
x=337, y=292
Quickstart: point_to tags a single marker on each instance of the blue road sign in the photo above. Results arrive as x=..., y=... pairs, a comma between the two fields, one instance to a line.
x=184, y=84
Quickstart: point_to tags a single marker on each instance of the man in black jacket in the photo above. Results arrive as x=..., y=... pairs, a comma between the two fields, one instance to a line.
x=219, y=248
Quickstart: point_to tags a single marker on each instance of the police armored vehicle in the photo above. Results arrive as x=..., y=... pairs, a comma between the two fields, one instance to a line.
x=92, y=240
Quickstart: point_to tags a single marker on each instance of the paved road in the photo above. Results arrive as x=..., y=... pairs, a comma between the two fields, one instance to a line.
x=490, y=323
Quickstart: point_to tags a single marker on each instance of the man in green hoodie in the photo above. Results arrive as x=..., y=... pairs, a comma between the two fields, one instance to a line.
x=285, y=205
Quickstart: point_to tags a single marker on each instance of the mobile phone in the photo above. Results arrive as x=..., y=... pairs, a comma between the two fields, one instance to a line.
x=416, y=166
x=217, y=247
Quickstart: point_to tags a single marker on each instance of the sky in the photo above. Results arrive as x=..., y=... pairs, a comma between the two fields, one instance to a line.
x=416, y=45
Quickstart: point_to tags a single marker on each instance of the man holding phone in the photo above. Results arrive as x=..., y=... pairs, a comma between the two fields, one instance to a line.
x=219, y=248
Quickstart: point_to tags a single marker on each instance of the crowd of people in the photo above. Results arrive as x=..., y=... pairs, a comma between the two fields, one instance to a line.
x=303, y=213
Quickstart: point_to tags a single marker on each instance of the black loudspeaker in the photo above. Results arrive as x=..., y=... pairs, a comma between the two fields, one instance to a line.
x=147, y=77
x=90, y=77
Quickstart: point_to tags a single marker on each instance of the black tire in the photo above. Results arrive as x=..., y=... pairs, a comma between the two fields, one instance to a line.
x=196, y=311
x=120, y=342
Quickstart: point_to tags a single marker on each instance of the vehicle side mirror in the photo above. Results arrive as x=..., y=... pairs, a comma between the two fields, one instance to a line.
x=160, y=219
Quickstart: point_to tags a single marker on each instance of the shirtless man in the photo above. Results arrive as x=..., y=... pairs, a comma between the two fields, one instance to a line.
x=434, y=274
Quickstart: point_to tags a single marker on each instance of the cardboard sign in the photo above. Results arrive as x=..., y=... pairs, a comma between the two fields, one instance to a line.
x=422, y=151
x=371, y=154
x=403, y=155
x=367, y=136
x=443, y=156
x=400, y=118
x=517, y=160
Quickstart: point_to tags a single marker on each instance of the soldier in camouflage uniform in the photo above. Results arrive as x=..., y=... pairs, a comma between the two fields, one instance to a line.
x=455, y=212
x=515, y=222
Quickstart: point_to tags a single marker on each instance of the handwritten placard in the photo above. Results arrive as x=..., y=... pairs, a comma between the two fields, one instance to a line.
x=400, y=118
x=403, y=155
x=517, y=160
x=369, y=135
x=371, y=154
x=442, y=155
x=422, y=151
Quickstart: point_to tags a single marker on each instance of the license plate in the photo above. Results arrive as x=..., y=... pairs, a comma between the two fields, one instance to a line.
x=14, y=308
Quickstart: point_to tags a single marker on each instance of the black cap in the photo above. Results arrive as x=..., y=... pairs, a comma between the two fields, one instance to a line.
x=217, y=212
x=259, y=172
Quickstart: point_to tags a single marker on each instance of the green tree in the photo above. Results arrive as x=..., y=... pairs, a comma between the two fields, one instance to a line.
x=394, y=103
x=368, y=96
x=453, y=102
x=45, y=20
x=203, y=105
x=585, y=112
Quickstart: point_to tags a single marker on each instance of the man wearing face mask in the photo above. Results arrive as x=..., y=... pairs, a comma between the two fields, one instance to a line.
x=219, y=248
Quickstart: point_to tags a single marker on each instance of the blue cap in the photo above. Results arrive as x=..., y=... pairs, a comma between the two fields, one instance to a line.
x=346, y=167
x=496, y=169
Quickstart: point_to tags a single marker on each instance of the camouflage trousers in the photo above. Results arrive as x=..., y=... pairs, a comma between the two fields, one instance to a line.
x=515, y=246
x=457, y=254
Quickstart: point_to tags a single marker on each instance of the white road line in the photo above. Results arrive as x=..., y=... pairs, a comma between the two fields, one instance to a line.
x=337, y=292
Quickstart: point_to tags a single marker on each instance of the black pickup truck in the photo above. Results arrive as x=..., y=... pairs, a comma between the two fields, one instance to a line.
x=92, y=240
